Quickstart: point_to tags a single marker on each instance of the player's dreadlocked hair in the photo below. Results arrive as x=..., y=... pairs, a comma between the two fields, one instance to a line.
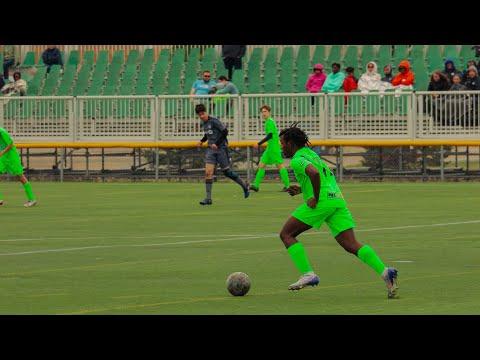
x=295, y=135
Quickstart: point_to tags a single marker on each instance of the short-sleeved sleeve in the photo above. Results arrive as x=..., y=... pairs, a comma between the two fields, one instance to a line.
x=195, y=84
x=269, y=127
x=6, y=138
x=299, y=164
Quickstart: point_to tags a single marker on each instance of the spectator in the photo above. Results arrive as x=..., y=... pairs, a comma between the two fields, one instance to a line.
x=387, y=71
x=439, y=82
x=450, y=70
x=371, y=79
x=457, y=84
x=232, y=57
x=16, y=88
x=52, y=56
x=315, y=81
x=204, y=86
x=465, y=73
x=2, y=82
x=334, y=81
x=350, y=82
x=224, y=87
x=8, y=59
x=406, y=77
x=472, y=82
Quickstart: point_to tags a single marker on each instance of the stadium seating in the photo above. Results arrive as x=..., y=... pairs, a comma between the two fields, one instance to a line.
x=272, y=70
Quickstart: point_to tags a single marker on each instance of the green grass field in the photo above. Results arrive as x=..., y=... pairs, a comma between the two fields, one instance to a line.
x=146, y=248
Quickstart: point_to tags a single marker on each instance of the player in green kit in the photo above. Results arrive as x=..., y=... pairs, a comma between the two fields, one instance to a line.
x=10, y=163
x=324, y=202
x=273, y=154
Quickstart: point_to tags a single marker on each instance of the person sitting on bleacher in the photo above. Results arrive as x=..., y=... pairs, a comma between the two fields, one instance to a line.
x=204, y=86
x=334, y=81
x=450, y=70
x=405, y=78
x=457, y=84
x=439, y=82
x=387, y=71
x=52, y=56
x=465, y=73
x=16, y=88
x=472, y=82
x=8, y=60
x=371, y=79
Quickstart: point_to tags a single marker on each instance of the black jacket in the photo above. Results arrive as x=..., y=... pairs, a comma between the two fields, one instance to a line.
x=472, y=83
x=441, y=85
x=52, y=57
x=233, y=51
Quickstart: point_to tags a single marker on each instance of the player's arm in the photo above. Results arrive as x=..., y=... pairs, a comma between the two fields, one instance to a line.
x=7, y=149
x=314, y=176
x=202, y=140
x=265, y=139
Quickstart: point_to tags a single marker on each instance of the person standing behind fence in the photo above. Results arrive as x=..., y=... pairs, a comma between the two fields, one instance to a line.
x=232, y=57
x=371, y=79
x=439, y=82
x=472, y=82
x=224, y=87
x=450, y=70
x=334, y=81
x=52, y=56
x=387, y=71
x=8, y=60
x=203, y=86
x=465, y=73
x=315, y=81
x=405, y=77
x=16, y=88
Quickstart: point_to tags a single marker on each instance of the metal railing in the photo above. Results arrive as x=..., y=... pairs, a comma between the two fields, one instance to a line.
x=385, y=115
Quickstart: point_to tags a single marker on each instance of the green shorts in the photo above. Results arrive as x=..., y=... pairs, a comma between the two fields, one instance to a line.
x=10, y=163
x=270, y=157
x=337, y=219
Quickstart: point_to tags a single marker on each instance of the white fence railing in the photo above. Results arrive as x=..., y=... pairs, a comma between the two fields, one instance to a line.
x=386, y=115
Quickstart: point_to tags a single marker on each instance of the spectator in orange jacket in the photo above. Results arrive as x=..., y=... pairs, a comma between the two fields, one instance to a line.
x=406, y=77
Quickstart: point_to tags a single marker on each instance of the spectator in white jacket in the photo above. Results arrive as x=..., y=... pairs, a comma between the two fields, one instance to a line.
x=371, y=79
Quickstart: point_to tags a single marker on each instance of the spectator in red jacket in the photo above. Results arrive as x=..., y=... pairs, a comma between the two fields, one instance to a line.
x=350, y=83
x=315, y=81
x=406, y=77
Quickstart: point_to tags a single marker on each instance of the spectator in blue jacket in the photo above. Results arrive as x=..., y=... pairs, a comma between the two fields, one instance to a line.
x=52, y=56
x=204, y=86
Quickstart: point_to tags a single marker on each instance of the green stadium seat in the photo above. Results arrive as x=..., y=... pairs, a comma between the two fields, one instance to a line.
x=73, y=58
x=29, y=59
x=385, y=56
x=368, y=54
x=467, y=53
x=238, y=78
x=335, y=55
x=434, y=57
x=351, y=57
x=319, y=55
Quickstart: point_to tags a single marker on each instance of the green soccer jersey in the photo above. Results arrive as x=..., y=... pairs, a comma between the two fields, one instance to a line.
x=274, y=142
x=5, y=139
x=330, y=194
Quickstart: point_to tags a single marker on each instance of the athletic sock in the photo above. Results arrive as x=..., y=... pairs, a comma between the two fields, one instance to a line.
x=259, y=177
x=369, y=257
x=234, y=176
x=28, y=190
x=208, y=187
x=299, y=257
x=284, y=177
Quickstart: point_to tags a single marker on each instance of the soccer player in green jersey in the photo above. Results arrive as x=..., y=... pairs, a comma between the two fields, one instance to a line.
x=324, y=202
x=10, y=163
x=273, y=154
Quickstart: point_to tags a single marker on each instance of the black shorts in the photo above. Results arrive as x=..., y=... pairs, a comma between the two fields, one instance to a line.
x=219, y=156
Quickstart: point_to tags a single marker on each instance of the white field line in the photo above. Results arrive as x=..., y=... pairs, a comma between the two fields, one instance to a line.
x=230, y=238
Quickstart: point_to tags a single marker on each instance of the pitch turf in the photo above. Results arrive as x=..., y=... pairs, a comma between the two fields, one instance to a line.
x=148, y=248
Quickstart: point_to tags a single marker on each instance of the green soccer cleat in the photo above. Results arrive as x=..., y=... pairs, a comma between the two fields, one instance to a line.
x=30, y=203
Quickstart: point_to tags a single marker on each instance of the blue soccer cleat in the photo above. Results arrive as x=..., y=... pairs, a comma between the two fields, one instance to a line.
x=309, y=279
x=390, y=276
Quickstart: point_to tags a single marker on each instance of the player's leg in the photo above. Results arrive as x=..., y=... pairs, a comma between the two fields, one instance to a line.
x=259, y=176
x=341, y=224
x=283, y=175
x=224, y=161
x=2, y=171
x=291, y=229
x=31, y=199
x=209, y=170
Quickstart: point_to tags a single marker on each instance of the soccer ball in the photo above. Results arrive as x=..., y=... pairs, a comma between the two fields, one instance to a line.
x=238, y=284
